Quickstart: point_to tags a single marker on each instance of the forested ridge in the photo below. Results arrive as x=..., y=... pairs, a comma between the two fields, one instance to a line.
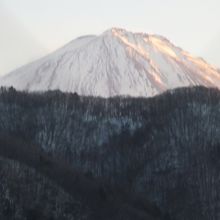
x=158, y=156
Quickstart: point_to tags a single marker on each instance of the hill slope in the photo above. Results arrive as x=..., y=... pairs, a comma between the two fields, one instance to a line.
x=165, y=148
x=35, y=186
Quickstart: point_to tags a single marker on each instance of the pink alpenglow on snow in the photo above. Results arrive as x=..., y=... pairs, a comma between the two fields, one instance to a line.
x=117, y=62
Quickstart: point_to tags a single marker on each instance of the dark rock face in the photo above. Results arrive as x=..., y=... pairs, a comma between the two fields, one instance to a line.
x=165, y=148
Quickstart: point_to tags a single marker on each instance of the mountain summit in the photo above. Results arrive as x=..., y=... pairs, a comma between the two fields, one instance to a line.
x=117, y=62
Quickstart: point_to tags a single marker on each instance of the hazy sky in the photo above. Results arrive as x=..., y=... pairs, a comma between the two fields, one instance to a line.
x=30, y=29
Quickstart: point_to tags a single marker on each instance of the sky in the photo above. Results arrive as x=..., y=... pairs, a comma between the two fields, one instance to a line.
x=30, y=29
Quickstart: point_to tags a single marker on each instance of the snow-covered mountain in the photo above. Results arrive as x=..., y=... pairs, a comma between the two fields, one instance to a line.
x=116, y=62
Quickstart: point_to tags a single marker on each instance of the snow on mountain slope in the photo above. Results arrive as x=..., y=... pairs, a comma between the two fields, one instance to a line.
x=117, y=62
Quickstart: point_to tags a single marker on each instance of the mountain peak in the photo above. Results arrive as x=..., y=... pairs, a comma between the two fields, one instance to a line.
x=115, y=29
x=122, y=31
x=118, y=62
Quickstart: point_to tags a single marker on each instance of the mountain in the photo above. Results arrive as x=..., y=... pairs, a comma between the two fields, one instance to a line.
x=128, y=158
x=117, y=62
x=35, y=186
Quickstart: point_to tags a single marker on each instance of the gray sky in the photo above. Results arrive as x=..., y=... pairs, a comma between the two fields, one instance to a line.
x=30, y=29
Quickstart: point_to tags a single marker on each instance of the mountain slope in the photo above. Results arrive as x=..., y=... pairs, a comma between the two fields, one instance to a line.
x=34, y=186
x=117, y=62
x=166, y=148
x=26, y=194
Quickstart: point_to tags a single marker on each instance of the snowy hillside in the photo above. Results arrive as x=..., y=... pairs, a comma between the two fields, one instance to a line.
x=117, y=62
